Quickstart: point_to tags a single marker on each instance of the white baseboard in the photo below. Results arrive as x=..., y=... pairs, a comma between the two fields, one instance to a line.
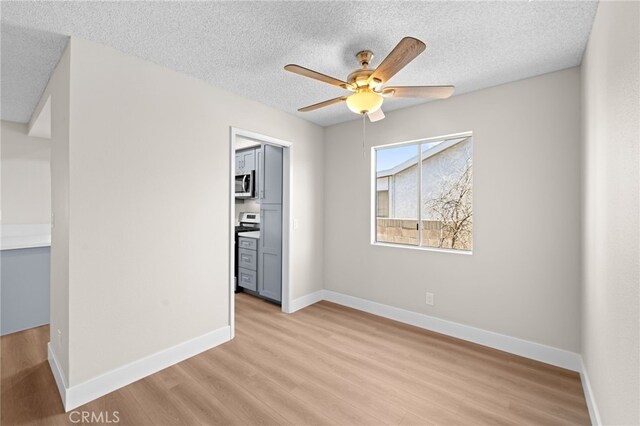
x=594, y=414
x=306, y=300
x=82, y=393
x=58, y=375
x=539, y=352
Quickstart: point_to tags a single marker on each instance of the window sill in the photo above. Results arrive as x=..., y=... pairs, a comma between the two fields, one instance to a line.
x=406, y=246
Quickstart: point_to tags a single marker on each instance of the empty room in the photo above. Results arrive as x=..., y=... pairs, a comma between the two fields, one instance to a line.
x=320, y=213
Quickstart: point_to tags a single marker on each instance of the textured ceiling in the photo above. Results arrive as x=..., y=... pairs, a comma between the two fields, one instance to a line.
x=27, y=60
x=242, y=46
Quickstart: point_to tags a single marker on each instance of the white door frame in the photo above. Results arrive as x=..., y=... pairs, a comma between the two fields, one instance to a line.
x=286, y=216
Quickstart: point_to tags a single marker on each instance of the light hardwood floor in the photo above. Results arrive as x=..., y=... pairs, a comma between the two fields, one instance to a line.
x=326, y=364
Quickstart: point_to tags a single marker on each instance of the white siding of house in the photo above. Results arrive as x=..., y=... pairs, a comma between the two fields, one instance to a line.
x=437, y=170
x=382, y=184
x=404, y=193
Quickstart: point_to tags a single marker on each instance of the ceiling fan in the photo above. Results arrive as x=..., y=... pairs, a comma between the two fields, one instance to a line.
x=366, y=83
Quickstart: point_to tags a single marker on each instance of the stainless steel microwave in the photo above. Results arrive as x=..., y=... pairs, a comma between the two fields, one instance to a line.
x=245, y=185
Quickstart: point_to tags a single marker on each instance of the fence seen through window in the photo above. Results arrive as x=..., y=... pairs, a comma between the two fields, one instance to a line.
x=424, y=193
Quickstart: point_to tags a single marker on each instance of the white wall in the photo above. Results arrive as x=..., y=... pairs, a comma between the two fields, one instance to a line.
x=149, y=205
x=26, y=176
x=246, y=205
x=523, y=278
x=610, y=309
x=59, y=90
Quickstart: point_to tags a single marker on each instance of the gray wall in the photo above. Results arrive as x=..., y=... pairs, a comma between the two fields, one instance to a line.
x=610, y=309
x=24, y=292
x=523, y=278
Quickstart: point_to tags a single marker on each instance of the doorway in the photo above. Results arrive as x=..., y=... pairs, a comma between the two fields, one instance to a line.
x=247, y=148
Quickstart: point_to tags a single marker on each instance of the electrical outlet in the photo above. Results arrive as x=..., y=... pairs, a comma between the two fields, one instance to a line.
x=429, y=299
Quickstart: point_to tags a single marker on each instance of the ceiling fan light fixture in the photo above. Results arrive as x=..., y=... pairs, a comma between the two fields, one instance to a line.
x=364, y=101
x=367, y=84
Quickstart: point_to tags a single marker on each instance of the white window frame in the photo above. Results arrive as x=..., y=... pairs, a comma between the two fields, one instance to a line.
x=373, y=195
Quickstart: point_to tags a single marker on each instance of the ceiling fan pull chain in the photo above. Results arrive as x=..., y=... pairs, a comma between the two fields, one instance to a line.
x=364, y=154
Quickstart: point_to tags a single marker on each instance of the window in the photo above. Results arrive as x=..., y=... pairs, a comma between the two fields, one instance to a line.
x=430, y=206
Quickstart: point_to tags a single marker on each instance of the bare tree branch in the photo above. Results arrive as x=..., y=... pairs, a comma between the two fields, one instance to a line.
x=453, y=208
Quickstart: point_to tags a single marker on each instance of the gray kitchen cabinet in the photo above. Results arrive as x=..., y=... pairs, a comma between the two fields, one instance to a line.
x=270, y=252
x=249, y=160
x=239, y=165
x=247, y=259
x=270, y=175
x=270, y=244
x=245, y=161
x=248, y=243
x=270, y=161
x=247, y=279
x=248, y=263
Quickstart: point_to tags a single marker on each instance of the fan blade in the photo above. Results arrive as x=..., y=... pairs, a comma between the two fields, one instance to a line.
x=404, y=52
x=323, y=104
x=433, y=92
x=306, y=72
x=377, y=115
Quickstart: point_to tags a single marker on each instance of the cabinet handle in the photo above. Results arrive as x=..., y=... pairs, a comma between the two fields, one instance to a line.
x=260, y=183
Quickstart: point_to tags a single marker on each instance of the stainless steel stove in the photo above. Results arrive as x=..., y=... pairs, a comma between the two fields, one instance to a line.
x=248, y=222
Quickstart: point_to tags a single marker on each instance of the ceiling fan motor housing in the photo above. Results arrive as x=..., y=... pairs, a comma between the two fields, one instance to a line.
x=364, y=57
x=360, y=77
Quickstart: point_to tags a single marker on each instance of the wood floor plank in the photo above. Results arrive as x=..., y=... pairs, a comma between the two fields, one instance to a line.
x=112, y=406
x=249, y=409
x=394, y=370
x=354, y=368
x=500, y=381
x=329, y=381
x=297, y=410
x=323, y=365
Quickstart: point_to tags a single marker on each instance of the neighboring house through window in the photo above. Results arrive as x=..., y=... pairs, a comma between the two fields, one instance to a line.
x=428, y=206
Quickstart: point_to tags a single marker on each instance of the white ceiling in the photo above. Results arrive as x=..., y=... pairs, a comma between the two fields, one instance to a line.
x=242, y=46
